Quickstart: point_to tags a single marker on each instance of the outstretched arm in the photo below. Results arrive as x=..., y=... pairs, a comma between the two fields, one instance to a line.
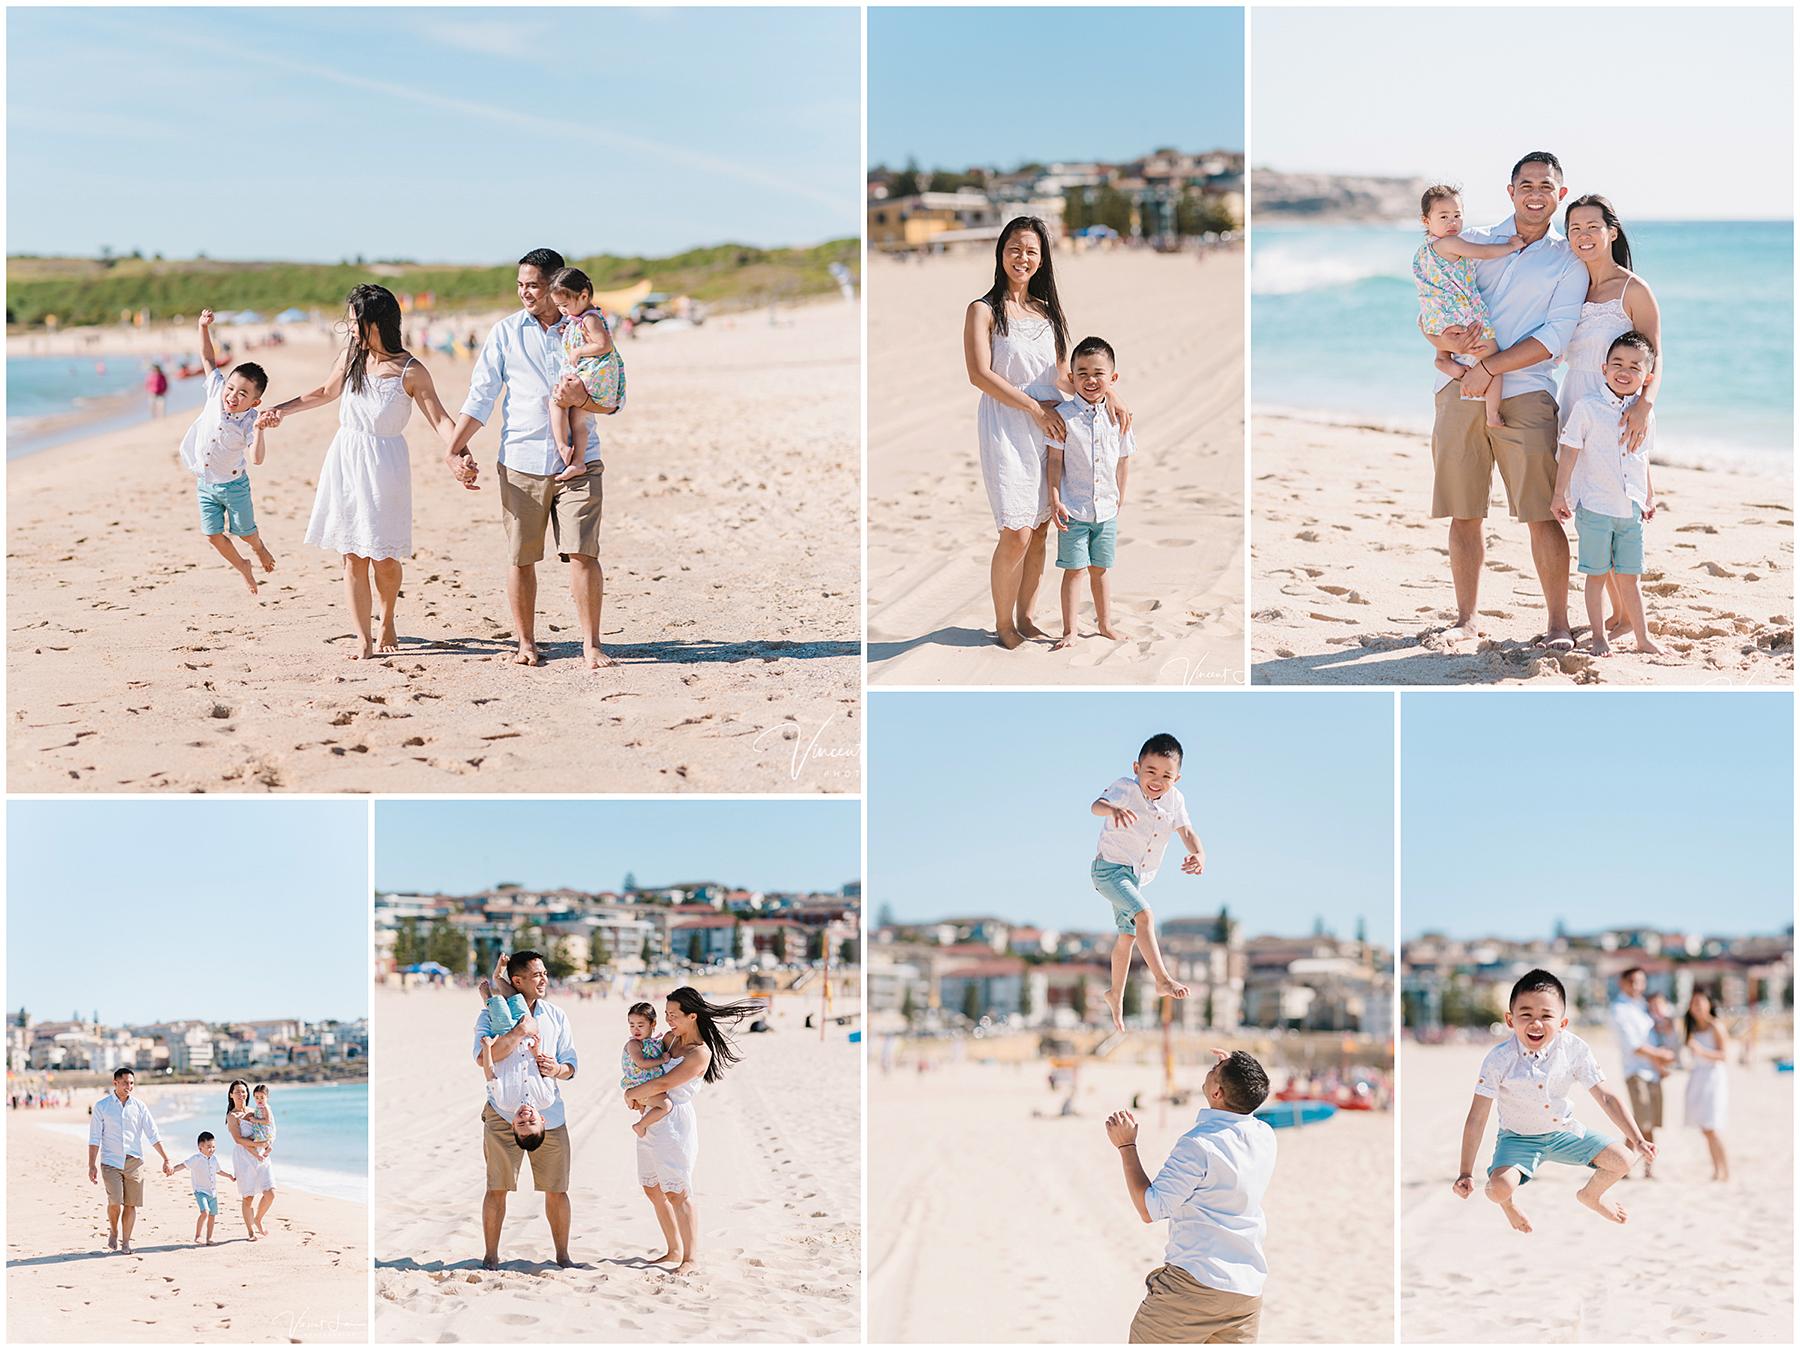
x=313, y=398
x=1616, y=1112
x=1118, y=815
x=208, y=357
x=1454, y=246
x=1122, y=1130
x=1195, y=862
x=422, y=391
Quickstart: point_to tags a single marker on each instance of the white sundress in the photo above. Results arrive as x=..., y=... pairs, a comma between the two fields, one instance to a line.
x=364, y=502
x=667, y=1152
x=1706, y=1096
x=1600, y=323
x=1012, y=447
x=254, y=1175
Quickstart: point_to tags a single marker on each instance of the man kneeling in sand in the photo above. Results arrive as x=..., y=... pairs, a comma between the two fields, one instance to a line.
x=117, y=1134
x=1209, y=1290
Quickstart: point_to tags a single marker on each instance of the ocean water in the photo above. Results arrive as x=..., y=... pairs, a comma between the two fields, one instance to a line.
x=1334, y=332
x=104, y=393
x=321, y=1134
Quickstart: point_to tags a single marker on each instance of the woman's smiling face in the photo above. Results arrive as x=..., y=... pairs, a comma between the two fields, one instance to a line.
x=1021, y=257
x=1589, y=235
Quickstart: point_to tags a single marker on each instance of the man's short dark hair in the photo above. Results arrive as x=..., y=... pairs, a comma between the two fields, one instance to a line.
x=255, y=374
x=546, y=260
x=517, y=963
x=1162, y=744
x=1629, y=971
x=1633, y=339
x=122, y=1070
x=1094, y=346
x=1243, y=1082
x=530, y=1142
x=1537, y=982
x=205, y=1137
x=1543, y=157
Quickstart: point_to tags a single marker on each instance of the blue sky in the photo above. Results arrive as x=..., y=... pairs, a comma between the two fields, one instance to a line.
x=459, y=135
x=1630, y=808
x=460, y=847
x=1673, y=113
x=954, y=86
x=978, y=804
x=147, y=911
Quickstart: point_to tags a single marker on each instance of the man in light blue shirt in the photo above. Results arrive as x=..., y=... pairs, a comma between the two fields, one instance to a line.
x=1534, y=300
x=117, y=1133
x=1643, y=1059
x=522, y=353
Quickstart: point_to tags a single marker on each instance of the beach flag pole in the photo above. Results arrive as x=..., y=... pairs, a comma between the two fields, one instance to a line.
x=825, y=986
x=1168, y=1020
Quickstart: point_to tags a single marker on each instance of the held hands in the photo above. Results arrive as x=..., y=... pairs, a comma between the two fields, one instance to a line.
x=464, y=469
x=1465, y=1186
x=1059, y=514
x=268, y=419
x=1122, y=1129
x=1121, y=817
x=169, y=1171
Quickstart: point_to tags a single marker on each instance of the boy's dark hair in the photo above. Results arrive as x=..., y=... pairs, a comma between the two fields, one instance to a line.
x=1633, y=339
x=1537, y=982
x=570, y=281
x=1162, y=744
x=546, y=260
x=530, y=1142
x=642, y=1010
x=1243, y=1082
x=205, y=1138
x=516, y=963
x=1093, y=346
x=1437, y=192
x=1543, y=157
x=255, y=374
x=122, y=1070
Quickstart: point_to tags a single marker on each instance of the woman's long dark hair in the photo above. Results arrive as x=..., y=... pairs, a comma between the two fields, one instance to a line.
x=706, y=1017
x=1712, y=1012
x=1621, y=249
x=370, y=307
x=232, y=1087
x=1041, y=287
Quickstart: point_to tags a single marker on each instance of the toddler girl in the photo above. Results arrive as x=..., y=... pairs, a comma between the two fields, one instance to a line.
x=592, y=373
x=1444, y=268
x=642, y=1061
x=258, y=1124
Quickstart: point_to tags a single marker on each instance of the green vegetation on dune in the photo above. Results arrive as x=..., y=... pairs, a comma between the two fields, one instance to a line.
x=95, y=290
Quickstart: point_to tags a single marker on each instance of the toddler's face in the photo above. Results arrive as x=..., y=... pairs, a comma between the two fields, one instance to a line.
x=240, y=394
x=1537, y=1018
x=1627, y=368
x=1445, y=218
x=641, y=1027
x=571, y=305
x=1156, y=774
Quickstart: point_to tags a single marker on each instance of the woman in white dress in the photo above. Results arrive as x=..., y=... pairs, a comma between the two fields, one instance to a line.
x=699, y=1052
x=1706, y=1095
x=363, y=509
x=250, y=1166
x=1618, y=301
x=1015, y=346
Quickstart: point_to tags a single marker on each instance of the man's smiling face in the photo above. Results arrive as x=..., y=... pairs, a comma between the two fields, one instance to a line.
x=1535, y=1017
x=1536, y=190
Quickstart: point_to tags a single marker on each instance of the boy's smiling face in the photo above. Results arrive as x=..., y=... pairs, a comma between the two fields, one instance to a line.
x=206, y=1149
x=1536, y=1017
x=1093, y=375
x=1156, y=774
x=1626, y=370
x=240, y=394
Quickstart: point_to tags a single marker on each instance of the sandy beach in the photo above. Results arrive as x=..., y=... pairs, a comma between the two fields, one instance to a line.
x=138, y=662
x=1696, y=1261
x=994, y=1219
x=307, y=1281
x=1178, y=584
x=778, y=1188
x=1351, y=583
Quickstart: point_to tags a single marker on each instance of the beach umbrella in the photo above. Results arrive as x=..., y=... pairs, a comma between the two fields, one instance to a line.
x=246, y=316
x=291, y=315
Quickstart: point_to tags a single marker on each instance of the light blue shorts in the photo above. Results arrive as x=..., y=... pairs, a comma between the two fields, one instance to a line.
x=1527, y=1151
x=1609, y=543
x=208, y=1203
x=1118, y=883
x=227, y=503
x=1087, y=543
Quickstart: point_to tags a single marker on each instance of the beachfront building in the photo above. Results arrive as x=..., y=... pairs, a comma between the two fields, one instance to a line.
x=190, y=1050
x=986, y=988
x=931, y=219
x=708, y=941
x=1318, y=983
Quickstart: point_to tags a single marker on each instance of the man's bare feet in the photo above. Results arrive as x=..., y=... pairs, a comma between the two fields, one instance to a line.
x=1066, y=640
x=1029, y=629
x=1009, y=638
x=1169, y=989
x=1115, y=1005
x=112, y=1242
x=1106, y=629
x=491, y=1262
x=527, y=655
x=390, y=640
x=244, y=570
x=1515, y=1216
x=597, y=659
x=1606, y=1209
x=1461, y=632
x=568, y=1262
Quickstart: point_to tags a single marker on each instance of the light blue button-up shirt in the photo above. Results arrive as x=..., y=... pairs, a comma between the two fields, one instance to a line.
x=554, y=1039
x=1091, y=455
x=1534, y=293
x=1211, y=1191
x=122, y=1131
x=524, y=357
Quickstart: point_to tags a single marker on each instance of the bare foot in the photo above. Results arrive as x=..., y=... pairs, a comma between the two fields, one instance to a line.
x=685, y=1268
x=1066, y=640
x=263, y=555
x=527, y=655
x=490, y=1263
x=568, y=1262
x=243, y=567
x=112, y=1242
x=1461, y=632
x=1106, y=629
x=365, y=651
x=1009, y=638
x=573, y=471
x=390, y=640
x=1169, y=989
x=209, y=1242
x=1114, y=1005
x=1619, y=623
x=1601, y=647
x=486, y=989
x=1651, y=647
x=253, y=1235
x=125, y=1247
x=1493, y=421
x=1515, y=1216
x=1606, y=1209
x=665, y=1258
x=1029, y=629
x=638, y=1127
x=597, y=658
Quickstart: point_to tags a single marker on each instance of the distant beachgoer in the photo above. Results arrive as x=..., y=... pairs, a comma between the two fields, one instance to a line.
x=1210, y=1188
x=1707, y=1098
x=1141, y=812
x=592, y=374
x=204, y=1171
x=156, y=386
x=1444, y=270
x=363, y=509
x=1644, y=1061
x=117, y=1133
x=218, y=450
x=255, y=1174
x=1087, y=469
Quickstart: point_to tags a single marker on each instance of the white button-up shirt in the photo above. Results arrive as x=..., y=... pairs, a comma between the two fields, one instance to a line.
x=1608, y=479
x=554, y=1039
x=1532, y=1087
x=1091, y=455
x=1634, y=1027
x=1211, y=1191
x=1534, y=293
x=524, y=357
x=517, y=1079
x=204, y=1172
x=216, y=448
x=1140, y=845
x=122, y=1131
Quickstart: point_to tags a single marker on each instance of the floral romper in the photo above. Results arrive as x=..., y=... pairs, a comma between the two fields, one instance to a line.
x=602, y=376
x=1448, y=295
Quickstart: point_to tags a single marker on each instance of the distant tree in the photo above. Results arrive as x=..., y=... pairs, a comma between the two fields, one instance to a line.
x=972, y=1000
x=1223, y=927
x=25, y=1020
x=1077, y=213
x=448, y=945
x=906, y=182
x=598, y=955
x=1025, y=1008
x=884, y=917
x=556, y=964
x=942, y=181
x=908, y=1009
x=778, y=944
x=630, y=882
x=1078, y=999
x=697, y=948
x=1318, y=925
x=1133, y=1002
x=848, y=952
x=505, y=885
x=1112, y=207
x=815, y=945
x=648, y=954
x=1362, y=930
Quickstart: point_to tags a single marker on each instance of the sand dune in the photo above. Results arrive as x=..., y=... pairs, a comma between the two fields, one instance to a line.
x=994, y=1219
x=778, y=1189
x=137, y=662
x=1350, y=580
x=307, y=1281
x=1695, y=1260
x=1178, y=587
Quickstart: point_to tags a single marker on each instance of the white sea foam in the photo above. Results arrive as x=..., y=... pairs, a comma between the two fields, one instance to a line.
x=1281, y=270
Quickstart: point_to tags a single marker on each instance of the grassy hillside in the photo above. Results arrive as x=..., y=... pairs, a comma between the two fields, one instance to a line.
x=94, y=290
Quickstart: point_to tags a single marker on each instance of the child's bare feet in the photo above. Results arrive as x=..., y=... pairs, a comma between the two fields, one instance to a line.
x=244, y=570
x=1066, y=640
x=1618, y=624
x=1169, y=989
x=1651, y=647
x=638, y=1127
x=486, y=989
x=263, y=555
x=1515, y=1216
x=573, y=471
x=1606, y=1209
x=1115, y=1005
x=1493, y=420
x=1601, y=647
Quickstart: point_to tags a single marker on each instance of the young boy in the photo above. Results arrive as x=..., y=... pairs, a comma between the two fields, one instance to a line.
x=516, y=1086
x=1531, y=1074
x=205, y=1171
x=1608, y=489
x=214, y=451
x=1087, y=485
x=1141, y=812
x=643, y=1060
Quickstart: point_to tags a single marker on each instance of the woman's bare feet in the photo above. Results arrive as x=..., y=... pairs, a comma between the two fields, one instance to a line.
x=390, y=640
x=365, y=651
x=1029, y=629
x=597, y=658
x=527, y=655
x=1009, y=638
x=685, y=1268
x=665, y=1258
x=1106, y=629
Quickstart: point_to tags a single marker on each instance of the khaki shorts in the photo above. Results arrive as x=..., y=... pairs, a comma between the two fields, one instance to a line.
x=549, y=1162
x=531, y=502
x=1646, y=1102
x=1465, y=451
x=124, y=1185
x=1179, y=1310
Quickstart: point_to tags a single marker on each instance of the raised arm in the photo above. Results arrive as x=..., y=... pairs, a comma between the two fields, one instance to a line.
x=208, y=357
x=1474, y=1125
x=1121, y=1132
